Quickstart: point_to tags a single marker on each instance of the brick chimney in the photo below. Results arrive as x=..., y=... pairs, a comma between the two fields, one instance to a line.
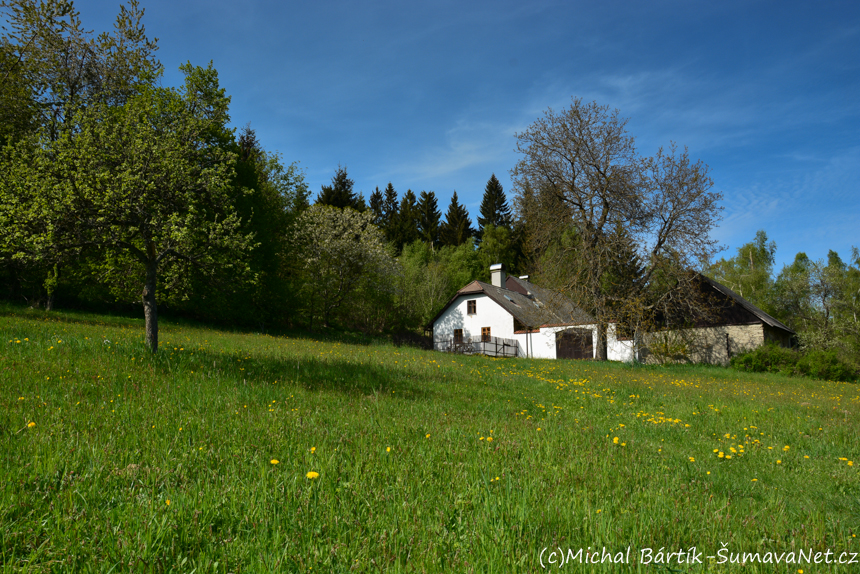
x=497, y=275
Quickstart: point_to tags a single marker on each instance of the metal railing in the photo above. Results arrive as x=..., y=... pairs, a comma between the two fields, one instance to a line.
x=490, y=346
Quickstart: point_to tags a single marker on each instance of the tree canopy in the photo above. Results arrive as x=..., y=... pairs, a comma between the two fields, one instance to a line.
x=144, y=186
x=590, y=179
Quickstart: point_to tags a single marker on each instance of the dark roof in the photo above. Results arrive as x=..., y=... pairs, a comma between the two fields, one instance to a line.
x=758, y=313
x=529, y=304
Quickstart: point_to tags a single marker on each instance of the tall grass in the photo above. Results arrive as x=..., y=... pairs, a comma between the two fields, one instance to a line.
x=197, y=459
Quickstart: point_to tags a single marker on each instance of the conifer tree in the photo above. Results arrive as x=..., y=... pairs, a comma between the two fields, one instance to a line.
x=406, y=221
x=457, y=227
x=340, y=193
x=494, y=207
x=428, y=218
x=376, y=205
x=389, y=213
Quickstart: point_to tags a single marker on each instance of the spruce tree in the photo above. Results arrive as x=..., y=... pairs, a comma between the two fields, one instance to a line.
x=389, y=213
x=457, y=227
x=428, y=218
x=376, y=208
x=407, y=221
x=494, y=207
x=340, y=193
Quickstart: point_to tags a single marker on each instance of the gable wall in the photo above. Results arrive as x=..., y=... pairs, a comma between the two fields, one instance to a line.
x=488, y=314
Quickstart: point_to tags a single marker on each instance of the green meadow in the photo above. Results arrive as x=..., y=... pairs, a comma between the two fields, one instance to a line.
x=241, y=452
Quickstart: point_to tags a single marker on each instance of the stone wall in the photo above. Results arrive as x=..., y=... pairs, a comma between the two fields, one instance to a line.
x=714, y=345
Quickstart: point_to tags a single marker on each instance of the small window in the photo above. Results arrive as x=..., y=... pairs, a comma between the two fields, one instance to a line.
x=458, y=336
x=485, y=334
x=471, y=307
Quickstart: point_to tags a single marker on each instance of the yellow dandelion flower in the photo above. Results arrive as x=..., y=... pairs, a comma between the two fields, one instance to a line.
x=168, y=502
x=428, y=435
x=490, y=439
x=779, y=462
x=615, y=440
x=313, y=449
x=850, y=463
x=274, y=461
x=312, y=475
x=388, y=449
x=31, y=424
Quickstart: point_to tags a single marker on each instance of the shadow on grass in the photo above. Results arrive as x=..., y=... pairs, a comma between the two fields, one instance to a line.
x=71, y=316
x=168, y=320
x=310, y=373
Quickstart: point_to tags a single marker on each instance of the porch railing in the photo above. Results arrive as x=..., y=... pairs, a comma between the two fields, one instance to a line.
x=490, y=346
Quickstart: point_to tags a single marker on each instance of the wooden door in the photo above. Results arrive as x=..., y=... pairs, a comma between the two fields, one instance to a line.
x=574, y=344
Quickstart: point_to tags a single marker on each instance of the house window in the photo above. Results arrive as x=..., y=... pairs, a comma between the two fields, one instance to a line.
x=485, y=334
x=471, y=306
x=458, y=336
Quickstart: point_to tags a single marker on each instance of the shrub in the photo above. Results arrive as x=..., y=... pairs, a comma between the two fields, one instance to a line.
x=825, y=365
x=811, y=363
x=768, y=358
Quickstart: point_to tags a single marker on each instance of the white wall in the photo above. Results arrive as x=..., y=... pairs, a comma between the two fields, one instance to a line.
x=488, y=313
x=618, y=350
x=541, y=345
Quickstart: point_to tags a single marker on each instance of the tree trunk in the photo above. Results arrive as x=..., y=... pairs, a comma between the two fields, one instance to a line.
x=51, y=287
x=600, y=341
x=150, y=306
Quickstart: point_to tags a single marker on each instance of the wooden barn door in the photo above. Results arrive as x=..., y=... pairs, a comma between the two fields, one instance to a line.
x=574, y=344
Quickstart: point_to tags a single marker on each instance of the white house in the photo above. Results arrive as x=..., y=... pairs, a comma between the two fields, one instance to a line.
x=512, y=316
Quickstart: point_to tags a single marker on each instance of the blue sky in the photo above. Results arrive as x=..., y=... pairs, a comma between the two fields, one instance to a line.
x=429, y=95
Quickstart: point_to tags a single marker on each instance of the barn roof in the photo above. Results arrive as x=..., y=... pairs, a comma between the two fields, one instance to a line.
x=749, y=307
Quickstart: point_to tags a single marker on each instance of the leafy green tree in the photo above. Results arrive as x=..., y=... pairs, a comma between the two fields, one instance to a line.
x=750, y=272
x=494, y=207
x=428, y=218
x=52, y=68
x=144, y=185
x=497, y=246
x=343, y=254
x=584, y=157
x=457, y=228
x=340, y=193
x=268, y=198
x=64, y=67
x=430, y=277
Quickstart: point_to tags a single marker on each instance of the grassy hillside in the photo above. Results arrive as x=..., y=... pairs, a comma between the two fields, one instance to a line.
x=250, y=453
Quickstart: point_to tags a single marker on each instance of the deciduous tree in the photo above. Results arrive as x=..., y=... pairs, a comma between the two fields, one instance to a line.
x=342, y=253
x=585, y=161
x=144, y=186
